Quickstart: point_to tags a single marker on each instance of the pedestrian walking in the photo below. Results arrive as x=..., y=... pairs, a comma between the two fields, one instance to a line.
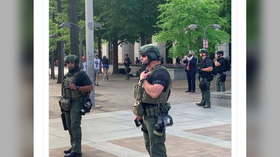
x=151, y=94
x=96, y=62
x=191, y=65
x=205, y=69
x=105, y=66
x=84, y=64
x=75, y=83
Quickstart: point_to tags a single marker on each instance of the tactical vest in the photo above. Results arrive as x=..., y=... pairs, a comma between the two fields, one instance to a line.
x=143, y=96
x=68, y=93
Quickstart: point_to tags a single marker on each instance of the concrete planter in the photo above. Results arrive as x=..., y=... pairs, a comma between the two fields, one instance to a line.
x=177, y=74
x=221, y=98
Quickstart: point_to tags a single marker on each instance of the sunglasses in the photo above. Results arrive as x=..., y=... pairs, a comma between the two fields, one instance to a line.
x=143, y=55
x=69, y=62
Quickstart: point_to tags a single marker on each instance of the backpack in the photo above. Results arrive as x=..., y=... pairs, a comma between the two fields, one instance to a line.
x=228, y=66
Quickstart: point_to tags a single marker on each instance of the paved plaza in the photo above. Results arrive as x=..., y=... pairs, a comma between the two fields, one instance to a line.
x=109, y=129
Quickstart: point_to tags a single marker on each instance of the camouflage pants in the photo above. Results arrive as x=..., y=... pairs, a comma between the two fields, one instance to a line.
x=73, y=122
x=154, y=144
x=220, y=86
x=205, y=94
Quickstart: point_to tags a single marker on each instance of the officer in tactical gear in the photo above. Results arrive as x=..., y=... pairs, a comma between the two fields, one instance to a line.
x=205, y=69
x=75, y=83
x=221, y=67
x=151, y=107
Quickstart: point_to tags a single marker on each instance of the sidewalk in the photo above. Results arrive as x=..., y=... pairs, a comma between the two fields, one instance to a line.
x=110, y=131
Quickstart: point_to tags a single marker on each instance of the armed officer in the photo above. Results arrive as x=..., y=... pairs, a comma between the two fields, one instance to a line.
x=221, y=77
x=152, y=93
x=205, y=68
x=75, y=84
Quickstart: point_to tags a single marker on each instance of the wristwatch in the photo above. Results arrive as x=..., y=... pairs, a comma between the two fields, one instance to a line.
x=78, y=87
x=142, y=80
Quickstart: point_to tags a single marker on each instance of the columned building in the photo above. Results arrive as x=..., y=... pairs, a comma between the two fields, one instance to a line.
x=133, y=51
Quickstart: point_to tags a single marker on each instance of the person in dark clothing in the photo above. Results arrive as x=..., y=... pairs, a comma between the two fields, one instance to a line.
x=105, y=66
x=127, y=62
x=190, y=69
x=137, y=61
x=221, y=77
x=205, y=69
x=75, y=83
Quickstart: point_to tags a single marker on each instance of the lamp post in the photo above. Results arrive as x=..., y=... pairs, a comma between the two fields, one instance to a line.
x=69, y=25
x=194, y=26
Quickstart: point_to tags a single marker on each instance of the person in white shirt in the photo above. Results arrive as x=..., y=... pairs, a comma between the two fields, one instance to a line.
x=96, y=62
x=84, y=64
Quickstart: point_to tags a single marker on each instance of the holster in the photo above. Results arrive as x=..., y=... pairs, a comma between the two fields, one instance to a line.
x=210, y=77
x=63, y=121
x=203, y=85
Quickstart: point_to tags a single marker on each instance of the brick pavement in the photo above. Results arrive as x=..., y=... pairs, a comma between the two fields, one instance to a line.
x=117, y=94
x=110, y=131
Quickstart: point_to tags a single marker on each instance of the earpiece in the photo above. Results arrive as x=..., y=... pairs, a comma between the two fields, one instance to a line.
x=153, y=56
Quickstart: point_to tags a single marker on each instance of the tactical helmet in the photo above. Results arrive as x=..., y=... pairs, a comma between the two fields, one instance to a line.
x=150, y=48
x=72, y=58
x=220, y=52
x=203, y=51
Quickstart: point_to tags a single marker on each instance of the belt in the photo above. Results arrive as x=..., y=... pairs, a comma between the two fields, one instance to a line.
x=79, y=98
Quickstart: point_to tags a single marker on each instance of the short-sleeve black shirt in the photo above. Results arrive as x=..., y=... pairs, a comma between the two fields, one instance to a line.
x=222, y=67
x=161, y=77
x=128, y=62
x=105, y=61
x=82, y=79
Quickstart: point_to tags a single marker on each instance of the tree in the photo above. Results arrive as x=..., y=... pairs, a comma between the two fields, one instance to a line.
x=177, y=15
x=74, y=31
x=145, y=17
x=115, y=16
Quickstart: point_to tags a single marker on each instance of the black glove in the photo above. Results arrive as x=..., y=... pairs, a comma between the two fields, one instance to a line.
x=138, y=121
x=198, y=70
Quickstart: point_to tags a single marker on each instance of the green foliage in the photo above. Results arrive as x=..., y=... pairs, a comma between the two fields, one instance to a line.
x=56, y=18
x=177, y=15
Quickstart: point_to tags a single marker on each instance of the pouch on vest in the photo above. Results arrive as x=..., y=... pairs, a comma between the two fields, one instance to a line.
x=138, y=90
x=138, y=108
x=203, y=86
x=168, y=106
x=64, y=104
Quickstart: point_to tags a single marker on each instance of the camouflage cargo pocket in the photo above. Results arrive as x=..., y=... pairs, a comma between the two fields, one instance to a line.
x=138, y=109
x=137, y=90
x=64, y=104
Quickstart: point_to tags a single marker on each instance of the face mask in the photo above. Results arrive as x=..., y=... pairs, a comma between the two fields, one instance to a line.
x=190, y=55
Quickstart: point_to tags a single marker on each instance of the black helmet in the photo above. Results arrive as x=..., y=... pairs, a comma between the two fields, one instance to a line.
x=220, y=52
